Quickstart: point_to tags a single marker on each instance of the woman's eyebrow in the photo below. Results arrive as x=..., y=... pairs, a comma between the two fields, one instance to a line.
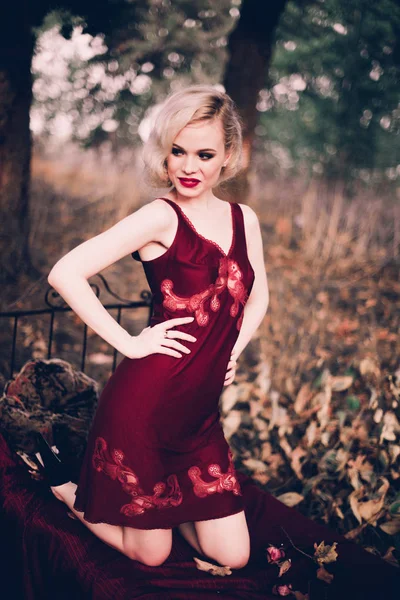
x=203, y=150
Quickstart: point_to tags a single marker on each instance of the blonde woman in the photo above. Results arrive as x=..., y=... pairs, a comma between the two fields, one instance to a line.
x=156, y=456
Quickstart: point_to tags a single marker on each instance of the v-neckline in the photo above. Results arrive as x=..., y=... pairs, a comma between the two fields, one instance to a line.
x=189, y=222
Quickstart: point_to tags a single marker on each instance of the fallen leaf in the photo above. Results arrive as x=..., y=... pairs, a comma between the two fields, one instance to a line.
x=369, y=509
x=261, y=477
x=311, y=433
x=202, y=565
x=299, y=595
x=354, y=504
x=368, y=365
x=279, y=415
x=341, y=383
x=290, y=498
x=284, y=567
x=394, y=451
x=231, y=423
x=297, y=454
x=325, y=554
x=324, y=575
x=286, y=447
x=390, y=558
x=354, y=533
x=255, y=465
x=391, y=527
x=371, y=550
x=391, y=427
x=394, y=508
x=303, y=397
x=359, y=467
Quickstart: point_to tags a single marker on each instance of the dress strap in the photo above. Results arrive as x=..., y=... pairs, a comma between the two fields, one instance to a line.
x=171, y=203
x=240, y=227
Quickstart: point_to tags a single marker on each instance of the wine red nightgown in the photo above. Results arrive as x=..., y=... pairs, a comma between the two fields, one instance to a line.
x=156, y=453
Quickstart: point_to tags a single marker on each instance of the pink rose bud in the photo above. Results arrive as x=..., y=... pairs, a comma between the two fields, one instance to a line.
x=282, y=590
x=274, y=554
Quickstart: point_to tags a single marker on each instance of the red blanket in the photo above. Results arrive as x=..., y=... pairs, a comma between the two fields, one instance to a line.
x=45, y=555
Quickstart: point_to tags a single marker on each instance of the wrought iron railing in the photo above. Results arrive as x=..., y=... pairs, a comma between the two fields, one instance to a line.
x=56, y=304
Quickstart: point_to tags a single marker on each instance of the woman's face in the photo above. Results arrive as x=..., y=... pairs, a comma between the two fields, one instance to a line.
x=196, y=158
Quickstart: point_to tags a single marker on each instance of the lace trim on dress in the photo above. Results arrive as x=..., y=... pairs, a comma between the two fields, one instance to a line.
x=111, y=463
x=189, y=222
x=229, y=277
x=225, y=481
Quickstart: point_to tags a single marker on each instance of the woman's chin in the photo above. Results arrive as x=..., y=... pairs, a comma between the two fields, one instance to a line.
x=191, y=192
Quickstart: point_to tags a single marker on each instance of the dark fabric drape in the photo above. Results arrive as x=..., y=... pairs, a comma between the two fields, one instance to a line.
x=45, y=555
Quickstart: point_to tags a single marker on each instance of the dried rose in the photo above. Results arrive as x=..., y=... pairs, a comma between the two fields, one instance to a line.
x=282, y=590
x=275, y=554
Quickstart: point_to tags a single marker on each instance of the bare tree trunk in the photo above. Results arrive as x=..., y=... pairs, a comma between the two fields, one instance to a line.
x=16, y=49
x=250, y=48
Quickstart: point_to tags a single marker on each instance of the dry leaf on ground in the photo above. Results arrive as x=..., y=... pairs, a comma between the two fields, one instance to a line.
x=325, y=554
x=290, y=498
x=202, y=565
x=324, y=575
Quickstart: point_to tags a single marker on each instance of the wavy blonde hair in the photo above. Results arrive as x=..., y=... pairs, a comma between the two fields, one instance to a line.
x=192, y=105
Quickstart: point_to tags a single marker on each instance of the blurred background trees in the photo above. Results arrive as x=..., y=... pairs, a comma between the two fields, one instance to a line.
x=320, y=78
x=333, y=99
x=316, y=82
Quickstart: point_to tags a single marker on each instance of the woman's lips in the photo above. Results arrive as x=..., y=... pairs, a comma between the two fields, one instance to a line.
x=188, y=182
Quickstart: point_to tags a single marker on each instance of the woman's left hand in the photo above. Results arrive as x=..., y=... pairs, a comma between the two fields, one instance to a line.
x=231, y=372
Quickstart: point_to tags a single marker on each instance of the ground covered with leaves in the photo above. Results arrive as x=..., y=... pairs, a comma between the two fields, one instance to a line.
x=313, y=415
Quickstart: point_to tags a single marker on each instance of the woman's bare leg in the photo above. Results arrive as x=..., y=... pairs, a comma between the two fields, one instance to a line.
x=113, y=535
x=110, y=534
x=188, y=531
x=150, y=547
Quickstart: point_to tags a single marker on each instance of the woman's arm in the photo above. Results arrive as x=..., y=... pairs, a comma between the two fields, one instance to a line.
x=258, y=301
x=70, y=274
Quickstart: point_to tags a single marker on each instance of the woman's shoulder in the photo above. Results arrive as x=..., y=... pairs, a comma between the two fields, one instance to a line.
x=157, y=209
x=249, y=215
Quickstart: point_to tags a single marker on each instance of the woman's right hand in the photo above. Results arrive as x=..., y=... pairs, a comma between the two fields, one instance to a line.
x=160, y=339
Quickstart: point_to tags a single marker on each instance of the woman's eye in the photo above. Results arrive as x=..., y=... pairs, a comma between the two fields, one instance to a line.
x=176, y=151
x=205, y=155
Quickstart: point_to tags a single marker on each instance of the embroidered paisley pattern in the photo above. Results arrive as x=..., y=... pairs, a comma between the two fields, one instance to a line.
x=225, y=481
x=111, y=463
x=229, y=277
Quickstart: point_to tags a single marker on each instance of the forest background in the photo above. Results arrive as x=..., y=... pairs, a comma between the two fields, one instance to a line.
x=313, y=415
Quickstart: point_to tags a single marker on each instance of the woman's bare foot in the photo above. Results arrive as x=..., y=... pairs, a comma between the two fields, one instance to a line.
x=59, y=490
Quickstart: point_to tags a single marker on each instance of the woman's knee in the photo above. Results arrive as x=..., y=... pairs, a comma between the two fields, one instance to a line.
x=152, y=550
x=153, y=557
x=226, y=540
x=236, y=558
x=230, y=553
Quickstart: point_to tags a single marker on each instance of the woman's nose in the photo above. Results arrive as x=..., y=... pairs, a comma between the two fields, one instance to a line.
x=189, y=165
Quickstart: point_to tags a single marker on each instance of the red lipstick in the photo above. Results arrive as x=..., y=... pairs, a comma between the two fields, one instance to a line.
x=188, y=182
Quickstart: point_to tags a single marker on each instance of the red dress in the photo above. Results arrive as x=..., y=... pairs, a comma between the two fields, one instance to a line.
x=156, y=453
